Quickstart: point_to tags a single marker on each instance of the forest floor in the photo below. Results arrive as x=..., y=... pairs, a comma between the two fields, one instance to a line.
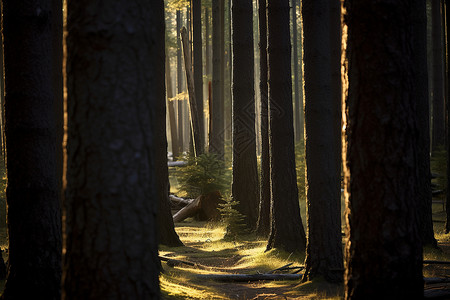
x=205, y=247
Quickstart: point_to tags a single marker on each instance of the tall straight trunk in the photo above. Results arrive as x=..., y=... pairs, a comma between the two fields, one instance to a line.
x=286, y=229
x=196, y=11
x=216, y=138
x=179, y=86
x=207, y=43
x=419, y=22
x=33, y=198
x=438, y=132
x=447, y=204
x=298, y=105
x=115, y=93
x=227, y=70
x=384, y=249
x=322, y=61
x=263, y=226
x=171, y=109
x=245, y=189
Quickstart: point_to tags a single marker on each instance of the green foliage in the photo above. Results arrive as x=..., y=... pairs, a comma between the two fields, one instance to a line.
x=300, y=164
x=438, y=164
x=202, y=175
x=233, y=219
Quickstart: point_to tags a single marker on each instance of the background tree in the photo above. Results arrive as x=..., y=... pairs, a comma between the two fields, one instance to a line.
x=298, y=101
x=115, y=82
x=245, y=174
x=180, y=85
x=419, y=23
x=438, y=131
x=263, y=226
x=384, y=250
x=286, y=229
x=33, y=198
x=216, y=138
x=196, y=11
x=322, y=65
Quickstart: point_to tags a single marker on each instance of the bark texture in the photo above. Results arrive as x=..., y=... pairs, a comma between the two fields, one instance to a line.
x=245, y=187
x=322, y=63
x=179, y=86
x=384, y=249
x=287, y=230
x=196, y=11
x=217, y=133
x=263, y=226
x=298, y=101
x=438, y=131
x=115, y=68
x=33, y=198
x=419, y=23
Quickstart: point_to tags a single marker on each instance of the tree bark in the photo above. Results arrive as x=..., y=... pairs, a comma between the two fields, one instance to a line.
x=171, y=109
x=287, y=230
x=196, y=11
x=447, y=203
x=217, y=134
x=33, y=198
x=298, y=101
x=116, y=90
x=419, y=22
x=245, y=189
x=207, y=43
x=438, y=132
x=179, y=86
x=322, y=63
x=263, y=226
x=384, y=249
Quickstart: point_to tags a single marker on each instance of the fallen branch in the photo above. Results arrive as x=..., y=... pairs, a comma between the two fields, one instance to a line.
x=176, y=262
x=181, y=201
x=249, y=277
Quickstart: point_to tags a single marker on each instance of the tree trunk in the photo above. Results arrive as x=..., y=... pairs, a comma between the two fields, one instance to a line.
x=447, y=204
x=196, y=10
x=33, y=198
x=298, y=103
x=419, y=22
x=115, y=93
x=171, y=109
x=263, y=226
x=438, y=132
x=216, y=139
x=207, y=47
x=384, y=249
x=179, y=86
x=245, y=189
x=322, y=63
x=287, y=230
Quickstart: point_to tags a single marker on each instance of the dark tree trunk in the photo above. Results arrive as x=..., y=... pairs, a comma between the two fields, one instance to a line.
x=196, y=10
x=298, y=101
x=115, y=93
x=207, y=43
x=438, y=131
x=216, y=138
x=245, y=187
x=419, y=22
x=171, y=109
x=286, y=229
x=447, y=204
x=57, y=73
x=263, y=226
x=384, y=249
x=33, y=198
x=322, y=63
x=179, y=86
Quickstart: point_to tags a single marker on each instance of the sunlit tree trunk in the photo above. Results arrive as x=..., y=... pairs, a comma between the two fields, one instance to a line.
x=245, y=187
x=263, y=226
x=115, y=68
x=287, y=231
x=33, y=198
x=322, y=63
x=180, y=85
x=384, y=249
x=298, y=101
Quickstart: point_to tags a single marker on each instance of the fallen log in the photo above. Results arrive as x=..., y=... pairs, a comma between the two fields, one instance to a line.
x=434, y=280
x=248, y=277
x=188, y=211
x=436, y=262
x=437, y=294
x=204, y=208
x=176, y=262
x=180, y=201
